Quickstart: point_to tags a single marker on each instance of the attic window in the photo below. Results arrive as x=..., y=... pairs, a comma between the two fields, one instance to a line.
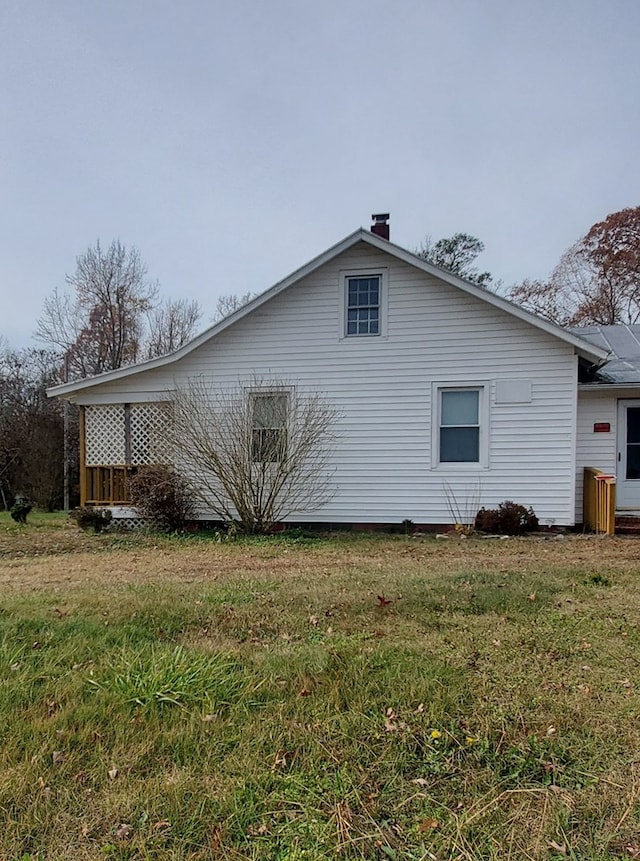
x=363, y=305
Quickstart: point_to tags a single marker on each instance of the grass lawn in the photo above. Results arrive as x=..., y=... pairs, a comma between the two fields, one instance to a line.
x=180, y=698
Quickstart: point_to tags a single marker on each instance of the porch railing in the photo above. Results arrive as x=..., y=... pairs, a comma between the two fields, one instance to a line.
x=106, y=485
x=599, y=501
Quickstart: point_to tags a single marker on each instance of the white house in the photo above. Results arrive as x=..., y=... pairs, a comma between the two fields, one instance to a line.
x=446, y=391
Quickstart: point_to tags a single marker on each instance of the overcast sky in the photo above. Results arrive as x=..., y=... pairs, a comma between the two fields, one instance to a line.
x=232, y=141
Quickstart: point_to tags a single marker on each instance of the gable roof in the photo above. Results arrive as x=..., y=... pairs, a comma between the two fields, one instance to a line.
x=589, y=351
x=623, y=343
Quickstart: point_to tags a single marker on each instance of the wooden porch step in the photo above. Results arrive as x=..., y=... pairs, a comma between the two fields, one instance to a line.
x=627, y=524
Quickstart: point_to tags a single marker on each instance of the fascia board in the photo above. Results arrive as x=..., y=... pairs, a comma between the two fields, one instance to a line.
x=583, y=347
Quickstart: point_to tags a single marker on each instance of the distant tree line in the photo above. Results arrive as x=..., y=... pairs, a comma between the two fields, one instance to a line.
x=31, y=429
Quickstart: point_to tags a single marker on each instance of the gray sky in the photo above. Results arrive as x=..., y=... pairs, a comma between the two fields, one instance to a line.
x=232, y=141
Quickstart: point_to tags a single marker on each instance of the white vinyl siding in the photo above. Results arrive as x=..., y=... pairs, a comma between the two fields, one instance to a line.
x=593, y=448
x=433, y=333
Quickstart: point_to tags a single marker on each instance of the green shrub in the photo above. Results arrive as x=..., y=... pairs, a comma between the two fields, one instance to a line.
x=508, y=518
x=20, y=509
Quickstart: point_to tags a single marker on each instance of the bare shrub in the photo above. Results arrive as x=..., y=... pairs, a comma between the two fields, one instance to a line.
x=257, y=452
x=163, y=496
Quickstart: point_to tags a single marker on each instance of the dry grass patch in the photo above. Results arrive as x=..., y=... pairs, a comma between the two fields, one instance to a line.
x=350, y=696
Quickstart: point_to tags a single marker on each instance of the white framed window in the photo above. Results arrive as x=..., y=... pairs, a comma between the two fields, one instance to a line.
x=364, y=303
x=269, y=411
x=460, y=425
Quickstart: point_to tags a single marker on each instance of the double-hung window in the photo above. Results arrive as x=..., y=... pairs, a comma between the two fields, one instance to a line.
x=269, y=426
x=363, y=305
x=460, y=425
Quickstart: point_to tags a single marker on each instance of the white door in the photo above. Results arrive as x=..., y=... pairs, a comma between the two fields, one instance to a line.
x=628, y=472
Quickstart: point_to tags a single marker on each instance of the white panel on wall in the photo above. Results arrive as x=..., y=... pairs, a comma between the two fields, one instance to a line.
x=513, y=391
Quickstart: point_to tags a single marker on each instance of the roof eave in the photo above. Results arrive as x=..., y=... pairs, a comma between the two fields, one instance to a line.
x=582, y=347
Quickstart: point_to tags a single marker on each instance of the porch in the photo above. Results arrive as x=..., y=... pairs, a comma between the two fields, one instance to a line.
x=115, y=440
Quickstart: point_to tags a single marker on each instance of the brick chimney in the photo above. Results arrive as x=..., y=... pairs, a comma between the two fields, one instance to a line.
x=380, y=225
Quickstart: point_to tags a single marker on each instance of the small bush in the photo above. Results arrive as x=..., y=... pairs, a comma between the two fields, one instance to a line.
x=20, y=510
x=92, y=518
x=163, y=496
x=508, y=518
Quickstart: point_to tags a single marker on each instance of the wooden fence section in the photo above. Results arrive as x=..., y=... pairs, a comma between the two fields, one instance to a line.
x=106, y=485
x=599, y=501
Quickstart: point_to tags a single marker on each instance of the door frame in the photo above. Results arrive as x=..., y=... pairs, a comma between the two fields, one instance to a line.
x=627, y=489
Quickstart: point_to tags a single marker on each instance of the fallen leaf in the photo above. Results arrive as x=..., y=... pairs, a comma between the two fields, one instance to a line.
x=428, y=825
x=390, y=724
x=123, y=831
x=59, y=756
x=313, y=620
x=113, y=773
x=162, y=825
x=420, y=781
x=551, y=730
x=532, y=596
x=216, y=838
x=280, y=759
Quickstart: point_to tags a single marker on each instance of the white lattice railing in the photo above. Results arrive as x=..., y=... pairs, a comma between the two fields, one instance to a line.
x=117, y=439
x=105, y=440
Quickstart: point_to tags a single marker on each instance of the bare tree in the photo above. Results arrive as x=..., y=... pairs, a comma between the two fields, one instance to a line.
x=170, y=325
x=231, y=302
x=254, y=453
x=98, y=325
x=111, y=315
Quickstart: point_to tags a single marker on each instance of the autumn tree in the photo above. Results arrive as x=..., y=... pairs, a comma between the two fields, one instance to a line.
x=254, y=453
x=457, y=254
x=596, y=281
x=110, y=315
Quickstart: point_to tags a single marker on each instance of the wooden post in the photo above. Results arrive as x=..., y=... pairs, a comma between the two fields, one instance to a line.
x=83, y=459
